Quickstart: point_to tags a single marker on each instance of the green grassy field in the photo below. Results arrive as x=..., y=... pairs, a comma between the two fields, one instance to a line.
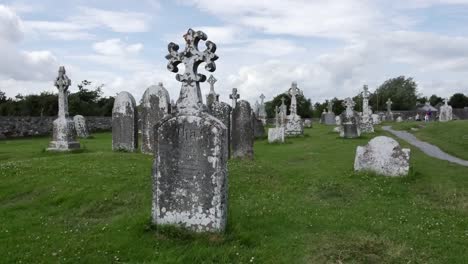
x=299, y=202
x=452, y=137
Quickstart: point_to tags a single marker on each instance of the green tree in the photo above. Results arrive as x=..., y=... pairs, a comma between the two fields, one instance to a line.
x=401, y=90
x=434, y=100
x=458, y=100
x=3, y=97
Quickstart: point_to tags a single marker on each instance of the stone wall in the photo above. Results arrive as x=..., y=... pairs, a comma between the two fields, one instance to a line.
x=23, y=126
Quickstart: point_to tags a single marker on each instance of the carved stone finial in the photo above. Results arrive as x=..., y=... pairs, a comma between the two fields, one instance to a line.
x=190, y=94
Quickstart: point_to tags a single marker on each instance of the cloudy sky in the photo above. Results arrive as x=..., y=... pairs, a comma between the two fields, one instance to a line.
x=331, y=48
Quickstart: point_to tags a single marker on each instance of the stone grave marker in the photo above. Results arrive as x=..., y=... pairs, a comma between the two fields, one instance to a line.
x=124, y=123
x=242, y=131
x=80, y=126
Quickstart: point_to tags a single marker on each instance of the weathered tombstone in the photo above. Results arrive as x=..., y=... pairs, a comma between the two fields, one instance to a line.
x=155, y=104
x=445, y=112
x=80, y=126
x=234, y=96
x=262, y=115
x=63, y=134
x=337, y=129
x=328, y=117
x=399, y=119
x=282, y=113
x=276, y=135
x=389, y=114
x=124, y=123
x=350, y=120
x=221, y=111
x=259, y=130
x=375, y=119
x=191, y=149
x=366, y=119
x=173, y=107
x=307, y=123
x=242, y=131
x=212, y=96
x=383, y=155
x=294, y=125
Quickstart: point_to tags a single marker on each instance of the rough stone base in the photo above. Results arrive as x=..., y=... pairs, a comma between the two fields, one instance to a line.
x=63, y=137
x=350, y=131
x=367, y=127
x=294, y=126
x=383, y=155
x=276, y=135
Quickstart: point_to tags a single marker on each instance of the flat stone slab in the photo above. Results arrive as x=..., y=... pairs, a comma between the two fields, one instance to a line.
x=425, y=147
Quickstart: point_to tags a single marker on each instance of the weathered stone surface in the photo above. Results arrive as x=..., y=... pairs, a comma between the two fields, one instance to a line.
x=212, y=96
x=262, y=114
x=389, y=114
x=155, y=104
x=307, y=123
x=222, y=111
x=191, y=149
x=337, y=129
x=294, y=123
x=445, y=112
x=259, y=129
x=124, y=123
x=375, y=119
x=383, y=155
x=80, y=126
x=328, y=118
x=190, y=173
x=63, y=133
x=366, y=124
x=276, y=135
x=242, y=131
x=350, y=127
x=399, y=119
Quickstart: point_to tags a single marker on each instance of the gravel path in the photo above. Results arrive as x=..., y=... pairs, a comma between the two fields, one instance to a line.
x=425, y=147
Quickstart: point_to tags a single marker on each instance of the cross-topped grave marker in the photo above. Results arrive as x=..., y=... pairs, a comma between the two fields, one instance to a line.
x=349, y=104
x=190, y=95
x=212, y=80
x=191, y=149
x=63, y=134
x=234, y=96
x=389, y=105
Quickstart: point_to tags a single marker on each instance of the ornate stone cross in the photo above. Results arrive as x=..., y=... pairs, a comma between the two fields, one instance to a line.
x=366, y=92
x=389, y=105
x=190, y=98
x=212, y=80
x=349, y=104
x=62, y=82
x=330, y=106
x=446, y=101
x=262, y=98
x=234, y=96
x=293, y=92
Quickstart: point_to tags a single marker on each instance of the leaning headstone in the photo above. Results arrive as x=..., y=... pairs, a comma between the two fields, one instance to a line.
x=80, y=126
x=124, y=123
x=383, y=155
x=63, y=134
x=350, y=120
x=445, y=112
x=294, y=124
x=190, y=175
x=155, y=105
x=328, y=117
x=242, y=135
x=366, y=123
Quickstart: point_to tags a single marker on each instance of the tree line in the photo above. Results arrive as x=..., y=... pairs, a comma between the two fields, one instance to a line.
x=89, y=101
x=86, y=101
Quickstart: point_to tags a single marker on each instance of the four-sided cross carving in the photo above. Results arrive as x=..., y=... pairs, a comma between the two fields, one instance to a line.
x=366, y=92
x=192, y=57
